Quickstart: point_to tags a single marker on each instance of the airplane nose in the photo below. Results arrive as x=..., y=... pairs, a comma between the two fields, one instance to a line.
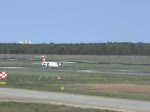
x=59, y=64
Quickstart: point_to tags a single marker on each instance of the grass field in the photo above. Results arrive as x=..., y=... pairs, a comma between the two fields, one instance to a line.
x=133, y=63
x=98, y=84
x=33, y=107
x=120, y=86
x=85, y=58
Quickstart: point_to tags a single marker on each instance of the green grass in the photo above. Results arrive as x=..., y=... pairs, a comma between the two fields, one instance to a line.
x=34, y=107
x=86, y=58
x=74, y=81
x=115, y=60
x=82, y=66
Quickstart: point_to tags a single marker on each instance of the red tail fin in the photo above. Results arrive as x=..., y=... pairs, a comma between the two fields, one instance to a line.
x=43, y=59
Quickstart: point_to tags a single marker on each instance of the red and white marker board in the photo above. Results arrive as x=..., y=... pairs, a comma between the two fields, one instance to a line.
x=3, y=75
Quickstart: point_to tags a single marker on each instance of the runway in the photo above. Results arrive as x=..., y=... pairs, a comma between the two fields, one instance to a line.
x=22, y=95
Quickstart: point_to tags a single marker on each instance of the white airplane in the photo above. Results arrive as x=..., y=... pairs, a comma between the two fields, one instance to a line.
x=50, y=64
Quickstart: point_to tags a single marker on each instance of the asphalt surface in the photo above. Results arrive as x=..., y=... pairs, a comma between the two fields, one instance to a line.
x=9, y=94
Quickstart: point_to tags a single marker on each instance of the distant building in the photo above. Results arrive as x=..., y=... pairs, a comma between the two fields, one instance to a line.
x=25, y=42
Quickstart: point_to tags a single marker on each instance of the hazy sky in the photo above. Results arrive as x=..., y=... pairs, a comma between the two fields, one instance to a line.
x=75, y=21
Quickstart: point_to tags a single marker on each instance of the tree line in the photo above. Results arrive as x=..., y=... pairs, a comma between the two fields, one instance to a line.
x=77, y=49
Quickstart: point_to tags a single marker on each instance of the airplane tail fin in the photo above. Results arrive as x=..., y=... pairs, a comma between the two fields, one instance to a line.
x=43, y=59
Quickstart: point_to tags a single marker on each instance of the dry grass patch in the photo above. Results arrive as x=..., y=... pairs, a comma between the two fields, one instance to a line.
x=131, y=88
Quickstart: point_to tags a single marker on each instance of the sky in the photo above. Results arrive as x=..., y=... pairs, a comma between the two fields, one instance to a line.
x=74, y=21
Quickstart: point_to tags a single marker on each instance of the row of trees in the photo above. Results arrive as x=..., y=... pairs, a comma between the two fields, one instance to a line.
x=75, y=49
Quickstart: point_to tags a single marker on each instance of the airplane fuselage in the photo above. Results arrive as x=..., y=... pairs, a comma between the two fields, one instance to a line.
x=51, y=64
